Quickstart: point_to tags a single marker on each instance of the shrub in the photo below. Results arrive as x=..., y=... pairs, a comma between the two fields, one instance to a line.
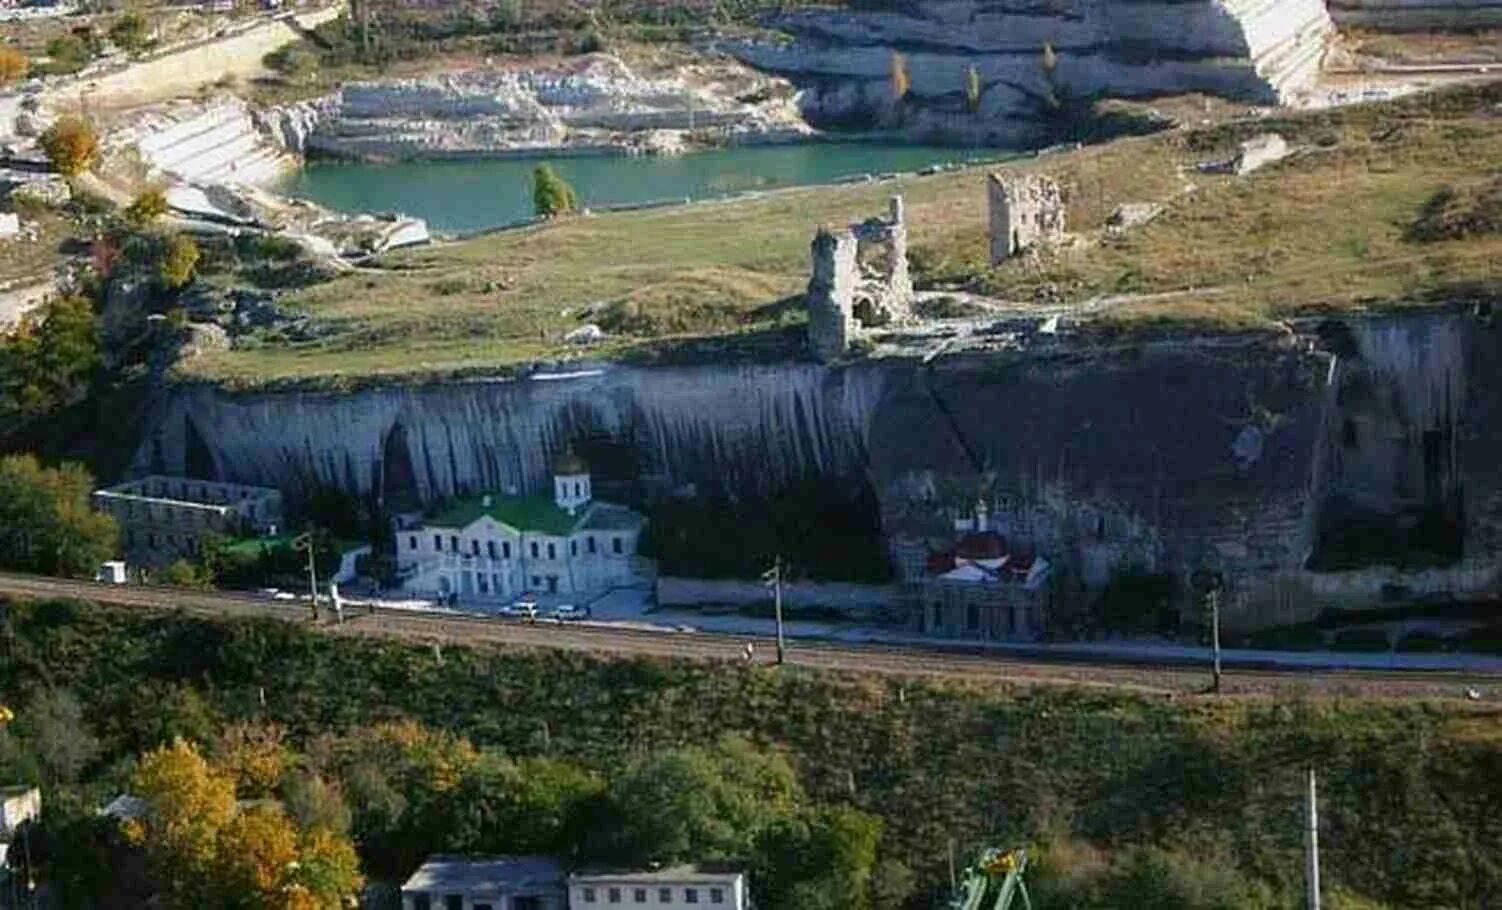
x=72, y=145
x=551, y=194
x=294, y=62
x=1458, y=212
x=179, y=261
x=13, y=65
x=69, y=53
x=147, y=207
x=131, y=33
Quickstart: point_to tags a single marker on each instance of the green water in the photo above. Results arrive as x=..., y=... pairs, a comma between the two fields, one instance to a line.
x=470, y=195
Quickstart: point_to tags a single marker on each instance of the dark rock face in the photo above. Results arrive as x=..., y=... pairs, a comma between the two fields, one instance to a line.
x=1324, y=469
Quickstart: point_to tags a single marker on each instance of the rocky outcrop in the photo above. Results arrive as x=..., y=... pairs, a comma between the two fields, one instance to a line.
x=1260, y=50
x=597, y=104
x=1417, y=15
x=1247, y=457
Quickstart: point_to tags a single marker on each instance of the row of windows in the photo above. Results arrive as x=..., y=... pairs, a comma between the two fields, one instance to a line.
x=616, y=546
x=664, y=895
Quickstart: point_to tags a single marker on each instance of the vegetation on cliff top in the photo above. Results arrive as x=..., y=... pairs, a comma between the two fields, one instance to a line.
x=1323, y=231
x=1201, y=797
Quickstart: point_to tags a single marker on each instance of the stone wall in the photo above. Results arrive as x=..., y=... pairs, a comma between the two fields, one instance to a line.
x=844, y=297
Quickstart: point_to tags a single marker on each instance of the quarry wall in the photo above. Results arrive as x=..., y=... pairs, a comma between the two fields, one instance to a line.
x=1260, y=50
x=1417, y=15
x=1246, y=457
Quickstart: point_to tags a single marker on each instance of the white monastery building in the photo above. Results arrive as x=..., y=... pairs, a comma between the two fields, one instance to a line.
x=494, y=548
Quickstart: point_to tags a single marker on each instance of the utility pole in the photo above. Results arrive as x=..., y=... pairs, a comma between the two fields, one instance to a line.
x=1215, y=639
x=1311, y=844
x=305, y=542
x=773, y=579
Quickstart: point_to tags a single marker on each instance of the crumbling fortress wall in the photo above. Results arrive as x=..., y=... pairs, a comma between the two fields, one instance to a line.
x=1025, y=211
x=858, y=281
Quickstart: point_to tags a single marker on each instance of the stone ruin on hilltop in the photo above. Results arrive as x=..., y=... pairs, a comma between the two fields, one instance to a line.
x=859, y=281
x=1025, y=211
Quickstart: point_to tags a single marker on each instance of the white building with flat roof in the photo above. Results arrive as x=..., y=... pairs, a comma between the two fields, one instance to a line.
x=689, y=887
x=486, y=883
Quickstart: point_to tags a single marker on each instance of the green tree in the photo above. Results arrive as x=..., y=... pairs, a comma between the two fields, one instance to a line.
x=551, y=194
x=46, y=525
x=822, y=861
x=69, y=53
x=150, y=205
x=696, y=803
x=179, y=261
x=131, y=33
x=57, y=734
x=47, y=362
x=71, y=144
x=314, y=802
x=181, y=573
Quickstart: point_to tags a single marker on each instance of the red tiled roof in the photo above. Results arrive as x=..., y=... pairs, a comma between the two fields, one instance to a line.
x=939, y=563
x=985, y=545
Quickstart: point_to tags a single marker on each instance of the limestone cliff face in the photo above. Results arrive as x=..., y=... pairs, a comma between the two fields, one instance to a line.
x=1326, y=469
x=1417, y=15
x=1260, y=50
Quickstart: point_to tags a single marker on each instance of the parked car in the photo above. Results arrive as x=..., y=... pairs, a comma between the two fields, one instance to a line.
x=521, y=609
x=569, y=612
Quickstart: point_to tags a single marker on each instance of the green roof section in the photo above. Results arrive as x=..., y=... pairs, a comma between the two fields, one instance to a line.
x=525, y=513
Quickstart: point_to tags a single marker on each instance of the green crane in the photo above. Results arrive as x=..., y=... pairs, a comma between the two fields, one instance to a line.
x=993, y=882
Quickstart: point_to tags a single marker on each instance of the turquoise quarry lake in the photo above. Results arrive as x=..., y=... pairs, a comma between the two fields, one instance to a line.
x=470, y=195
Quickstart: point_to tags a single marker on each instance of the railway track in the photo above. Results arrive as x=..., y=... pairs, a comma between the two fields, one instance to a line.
x=889, y=659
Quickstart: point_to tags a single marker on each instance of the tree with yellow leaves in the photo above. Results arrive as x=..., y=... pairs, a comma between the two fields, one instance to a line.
x=71, y=144
x=257, y=856
x=13, y=65
x=902, y=80
x=188, y=804
x=254, y=755
x=204, y=850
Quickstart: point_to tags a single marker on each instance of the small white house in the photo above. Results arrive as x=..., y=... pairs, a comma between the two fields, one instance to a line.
x=689, y=887
x=493, y=548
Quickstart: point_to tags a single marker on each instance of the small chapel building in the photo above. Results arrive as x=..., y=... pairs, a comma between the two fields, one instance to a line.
x=496, y=548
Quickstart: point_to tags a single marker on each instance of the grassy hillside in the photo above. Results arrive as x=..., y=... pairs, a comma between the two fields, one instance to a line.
x=1412, y=807
x=1326, y=230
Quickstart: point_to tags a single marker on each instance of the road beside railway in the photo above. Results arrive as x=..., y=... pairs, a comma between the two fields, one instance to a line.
x=1168, y=678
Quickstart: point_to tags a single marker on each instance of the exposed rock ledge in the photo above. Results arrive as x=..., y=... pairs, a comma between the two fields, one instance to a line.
x=589, y=105
x=1264, y=51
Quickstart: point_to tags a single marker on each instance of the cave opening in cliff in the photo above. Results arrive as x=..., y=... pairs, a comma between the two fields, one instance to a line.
x=397, y=475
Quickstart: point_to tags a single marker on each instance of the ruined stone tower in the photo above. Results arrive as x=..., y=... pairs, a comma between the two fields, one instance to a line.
x=849, y=292
x=831, y=293
x=1025, y=210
